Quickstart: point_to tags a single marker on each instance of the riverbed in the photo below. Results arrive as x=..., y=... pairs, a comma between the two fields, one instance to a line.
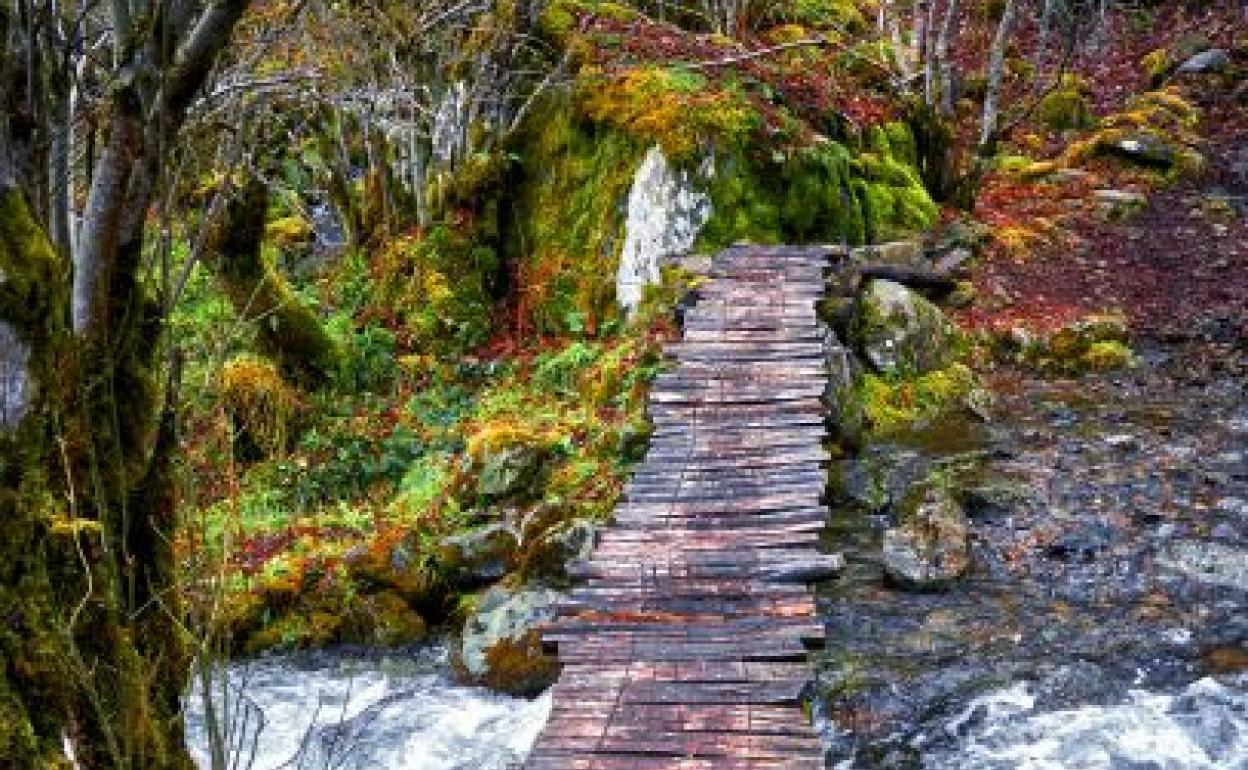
x=1104, y=624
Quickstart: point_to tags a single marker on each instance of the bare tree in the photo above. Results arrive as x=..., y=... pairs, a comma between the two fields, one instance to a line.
x=989, y=123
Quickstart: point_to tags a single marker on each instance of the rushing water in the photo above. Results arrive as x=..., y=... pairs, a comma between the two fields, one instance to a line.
x=1203, y=726
x=350, y=711
x=1104, y=623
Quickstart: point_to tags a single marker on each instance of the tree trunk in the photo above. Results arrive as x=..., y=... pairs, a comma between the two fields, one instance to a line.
x=996, y=71
x=944, y=63
x=90, y=649
x=287, y=332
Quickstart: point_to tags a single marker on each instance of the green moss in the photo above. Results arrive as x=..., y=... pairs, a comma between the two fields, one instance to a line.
x=819, y=14
x=895, y=406
x=1066, y=106
x=683, y=111
x=1107, y=355
x=30, y=266
x=567, y=223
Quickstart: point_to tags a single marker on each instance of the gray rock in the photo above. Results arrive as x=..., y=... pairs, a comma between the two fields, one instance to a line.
x=1119, y=203
x=509, y=618
x=1208, y=562
x=480, y=555
x=1215, y=60
x=930, y=548
x=894, y=253
x=901, y=333
x=514, y=471
x=1144, y=149
x=666, y=212
x=554, y=551
x=846, y=417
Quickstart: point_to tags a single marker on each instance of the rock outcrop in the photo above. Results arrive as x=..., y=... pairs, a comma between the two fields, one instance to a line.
x=930, y=546
x=501, y=646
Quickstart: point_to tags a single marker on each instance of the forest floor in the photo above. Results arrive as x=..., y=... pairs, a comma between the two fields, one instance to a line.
x=1178, y=268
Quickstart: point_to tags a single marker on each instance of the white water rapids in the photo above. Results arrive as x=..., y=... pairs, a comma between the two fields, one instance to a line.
x=342, y=712
x=1202, y=727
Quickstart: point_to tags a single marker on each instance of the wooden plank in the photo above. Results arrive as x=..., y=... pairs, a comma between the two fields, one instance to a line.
x=682, y=649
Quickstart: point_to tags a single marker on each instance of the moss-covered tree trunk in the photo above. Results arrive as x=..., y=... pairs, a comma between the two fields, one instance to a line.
x=89, y=644
x=287, y=331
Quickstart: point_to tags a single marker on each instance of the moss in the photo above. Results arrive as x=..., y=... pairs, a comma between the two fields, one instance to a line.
x=892, y=406
x=437, y=288
x=1066, y=106
x=31, y=268
x=520, y=667
x=681, y=110
x=286, y=330
x=1107, y=355
x=566, y=228
x=819, y=14
x=1097, y=342
x=260, y=404
x=289, y=232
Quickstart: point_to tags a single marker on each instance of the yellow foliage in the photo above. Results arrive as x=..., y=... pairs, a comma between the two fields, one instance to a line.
x=494, y=436
x=259, y=401
x=679, y=110
x=288, y=232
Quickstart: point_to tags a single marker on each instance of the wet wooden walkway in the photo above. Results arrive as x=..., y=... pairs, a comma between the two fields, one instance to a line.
x=685, y=648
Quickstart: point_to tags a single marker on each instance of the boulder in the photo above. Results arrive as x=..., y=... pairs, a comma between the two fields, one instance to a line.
x=892, y=253
x=1215, y=60
x=930, y=548
x=1116, y=204
x=847, y=420
x=902, y=334
x=479, y=555
x=666, y=213
x=501, y=646
x=513, y=471
x=1144, y=149
x=551, y=554
x=1207, y=562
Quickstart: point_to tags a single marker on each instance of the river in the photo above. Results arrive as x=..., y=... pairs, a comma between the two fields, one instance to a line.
x=360, y=710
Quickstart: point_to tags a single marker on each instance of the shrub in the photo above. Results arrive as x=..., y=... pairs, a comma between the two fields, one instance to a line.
x=260, y=404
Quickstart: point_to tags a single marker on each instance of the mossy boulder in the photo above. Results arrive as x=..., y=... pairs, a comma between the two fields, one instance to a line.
x=1142, y=148
x=551, y=553
x=501, y=643
x=930, y=546
x=1067, y=106
x=1096, y=343
x=893, y=406
x=512, y=472
x=481, y=555
x=901, y=334
x=511, y=462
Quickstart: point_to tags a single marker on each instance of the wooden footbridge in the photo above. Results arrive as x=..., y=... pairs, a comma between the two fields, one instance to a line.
x=686, y=646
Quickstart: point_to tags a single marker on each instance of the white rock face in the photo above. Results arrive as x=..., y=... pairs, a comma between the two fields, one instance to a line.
x=666, y=212
x=16, y=388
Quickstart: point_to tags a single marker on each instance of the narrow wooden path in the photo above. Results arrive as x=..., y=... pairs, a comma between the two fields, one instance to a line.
x=686, y=646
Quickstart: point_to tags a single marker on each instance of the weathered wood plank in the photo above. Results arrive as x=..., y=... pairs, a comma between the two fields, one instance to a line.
x=685, y=646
